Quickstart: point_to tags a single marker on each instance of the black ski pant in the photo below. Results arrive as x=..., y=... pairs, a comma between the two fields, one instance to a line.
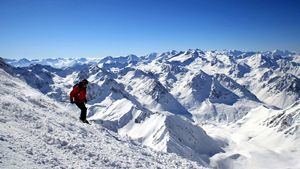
x=83, y=110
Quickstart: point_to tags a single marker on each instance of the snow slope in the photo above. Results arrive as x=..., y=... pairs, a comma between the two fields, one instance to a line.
x=213, y=96
x=158, y=99
x=264, y=138
x=273, y=87
x=37, y=132
x=163, y=130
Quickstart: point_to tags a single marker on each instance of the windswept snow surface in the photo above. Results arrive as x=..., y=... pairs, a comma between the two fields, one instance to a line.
x=37, y=132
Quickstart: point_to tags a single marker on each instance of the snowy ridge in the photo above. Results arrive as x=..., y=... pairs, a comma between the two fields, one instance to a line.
x=54, y=62
x=196, y=104
x=130, y=116
x=264, y=138
x=172, y=134
x=151, y=93
x=185, y=58
x=214, y=97
x=273, y=87
x=37, y=132
x=287, y=121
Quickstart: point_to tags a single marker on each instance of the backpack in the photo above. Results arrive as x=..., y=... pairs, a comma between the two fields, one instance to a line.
x=79, y=85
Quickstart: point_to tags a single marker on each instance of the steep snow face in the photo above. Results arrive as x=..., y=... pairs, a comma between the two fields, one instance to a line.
x=273, y=87
x=286, y=121
x=138, y=118
x=151, y=93
x=215, y=97
x=182, y=132
x=288, y=82
x=37, y=132
x=239, y=70
x=290, y=67
x=198, y=86
x=114, y=107
x=114, y=112
x=165, y=72
x=186, y=57
x=172, y=134
x=38, y=76
x=262, y=60
x=6, y=67
x=236, y=88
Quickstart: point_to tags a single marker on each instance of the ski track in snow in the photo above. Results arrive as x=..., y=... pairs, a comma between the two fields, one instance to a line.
x=36, y=132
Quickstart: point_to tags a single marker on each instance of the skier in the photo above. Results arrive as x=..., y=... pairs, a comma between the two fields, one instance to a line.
x=78, y=96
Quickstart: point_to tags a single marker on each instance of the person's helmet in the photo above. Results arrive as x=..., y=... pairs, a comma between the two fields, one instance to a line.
x=84, y=81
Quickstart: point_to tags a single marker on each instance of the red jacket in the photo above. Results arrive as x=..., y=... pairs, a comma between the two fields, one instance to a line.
x=79, y=94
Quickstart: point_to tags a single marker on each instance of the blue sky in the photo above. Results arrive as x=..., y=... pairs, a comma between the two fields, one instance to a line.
x=98, y=28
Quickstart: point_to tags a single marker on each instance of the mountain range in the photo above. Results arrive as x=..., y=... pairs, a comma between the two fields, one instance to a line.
x=210, y=107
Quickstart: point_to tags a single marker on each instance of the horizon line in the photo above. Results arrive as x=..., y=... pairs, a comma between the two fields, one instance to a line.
x=141, y=55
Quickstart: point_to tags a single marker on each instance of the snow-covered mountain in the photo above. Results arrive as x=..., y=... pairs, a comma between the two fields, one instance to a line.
x=214, y=97
x=54, y=62
x=180, y=101
x=153, y=121
x=258, y=73
x=37, y=132
x=264, y=138
x=286, y=121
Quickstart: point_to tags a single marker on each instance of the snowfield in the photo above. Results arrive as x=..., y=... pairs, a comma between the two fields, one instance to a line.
x=176, y=109
x=254, y=141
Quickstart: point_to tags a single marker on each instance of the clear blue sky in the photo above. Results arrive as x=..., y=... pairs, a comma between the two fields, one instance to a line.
x=97, y=28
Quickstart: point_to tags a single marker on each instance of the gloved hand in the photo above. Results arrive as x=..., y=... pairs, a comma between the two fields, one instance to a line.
x=85, y=101
x=72, y=101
